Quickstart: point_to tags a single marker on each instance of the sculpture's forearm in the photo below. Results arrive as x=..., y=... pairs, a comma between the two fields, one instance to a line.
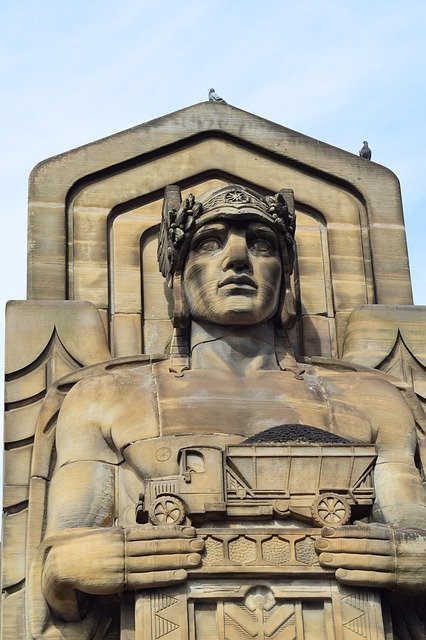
x=81, y=494
x=81, y=499
x=400, y=498
x=410, y=560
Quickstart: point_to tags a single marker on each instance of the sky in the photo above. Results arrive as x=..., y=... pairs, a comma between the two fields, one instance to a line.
x=338, y=71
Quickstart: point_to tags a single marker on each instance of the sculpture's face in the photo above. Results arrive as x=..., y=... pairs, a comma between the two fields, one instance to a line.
x=233, y=273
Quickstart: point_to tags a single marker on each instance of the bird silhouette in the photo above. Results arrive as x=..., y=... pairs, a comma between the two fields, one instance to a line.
x=365, y=152
x=214, y=97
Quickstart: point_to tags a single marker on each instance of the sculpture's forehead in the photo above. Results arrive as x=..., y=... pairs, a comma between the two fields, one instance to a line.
x=250, y=223
x=240, y=218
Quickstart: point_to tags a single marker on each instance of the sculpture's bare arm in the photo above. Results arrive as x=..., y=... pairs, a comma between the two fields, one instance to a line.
x=392, y=553
x=84, y=550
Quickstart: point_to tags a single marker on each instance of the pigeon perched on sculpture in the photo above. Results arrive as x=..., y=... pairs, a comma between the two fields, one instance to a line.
x=365, y=152
x=214, y=97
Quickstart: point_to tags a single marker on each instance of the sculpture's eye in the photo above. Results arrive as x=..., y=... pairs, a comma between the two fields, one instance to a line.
x=261, y=245
x=209, y=244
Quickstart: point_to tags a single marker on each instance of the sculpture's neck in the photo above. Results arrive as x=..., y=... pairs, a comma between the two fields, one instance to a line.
x=239, y=349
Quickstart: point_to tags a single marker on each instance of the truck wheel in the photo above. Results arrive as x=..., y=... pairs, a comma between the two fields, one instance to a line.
x=330, y=509
x=167, y=510
x=282, y=507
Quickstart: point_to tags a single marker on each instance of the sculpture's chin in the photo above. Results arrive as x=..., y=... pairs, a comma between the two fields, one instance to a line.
x=244, y=318
x=234, y=317
x=243, y=310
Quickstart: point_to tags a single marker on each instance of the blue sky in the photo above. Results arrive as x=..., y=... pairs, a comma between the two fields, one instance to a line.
x=341, y=72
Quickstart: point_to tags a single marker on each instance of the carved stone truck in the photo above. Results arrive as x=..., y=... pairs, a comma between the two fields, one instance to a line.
x=321, y=483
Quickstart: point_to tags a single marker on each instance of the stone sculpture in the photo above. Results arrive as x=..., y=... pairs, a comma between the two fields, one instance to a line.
x=145, y=440
x=184, y=495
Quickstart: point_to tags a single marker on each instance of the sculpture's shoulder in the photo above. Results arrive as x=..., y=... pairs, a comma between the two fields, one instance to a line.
x=350, y=373
x=380, y=396
x=97, y=400
x=112, y=377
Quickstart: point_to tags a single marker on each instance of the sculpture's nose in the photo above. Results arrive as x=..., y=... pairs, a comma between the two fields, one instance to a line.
x=236, y=255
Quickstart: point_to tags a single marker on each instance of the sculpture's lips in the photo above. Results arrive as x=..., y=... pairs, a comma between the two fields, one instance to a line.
x=239, y=281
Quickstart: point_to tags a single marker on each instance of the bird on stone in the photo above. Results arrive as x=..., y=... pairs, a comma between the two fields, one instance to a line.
x=365, y=152
x=214, y=97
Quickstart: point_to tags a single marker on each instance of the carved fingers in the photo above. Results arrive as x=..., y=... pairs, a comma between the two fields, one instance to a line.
x=159, y=556
x=362, y=531
x=354, y=545
x=361, y=555
x=160, y=548
x=148, y=532
x=150, y=579
x=367, y=578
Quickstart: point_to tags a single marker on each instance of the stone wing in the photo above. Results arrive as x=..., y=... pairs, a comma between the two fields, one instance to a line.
x=45, y=341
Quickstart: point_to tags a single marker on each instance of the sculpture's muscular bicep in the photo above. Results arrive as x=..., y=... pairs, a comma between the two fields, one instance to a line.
x=82, y=489
x=392, y=422
x=84, y=423
x=400, y=499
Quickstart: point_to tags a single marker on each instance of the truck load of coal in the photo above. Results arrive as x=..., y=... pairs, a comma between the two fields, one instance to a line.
x=296, y=434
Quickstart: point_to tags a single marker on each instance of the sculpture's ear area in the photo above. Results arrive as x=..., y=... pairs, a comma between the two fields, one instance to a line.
x=180, y=308
x=179, y=346
x=288, y=314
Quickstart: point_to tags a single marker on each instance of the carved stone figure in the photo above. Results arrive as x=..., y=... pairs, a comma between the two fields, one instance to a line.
x=189, y=490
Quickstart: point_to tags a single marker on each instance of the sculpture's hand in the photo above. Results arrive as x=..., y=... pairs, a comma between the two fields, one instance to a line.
x=109, y=560
x=375, y=556
x=159, y=556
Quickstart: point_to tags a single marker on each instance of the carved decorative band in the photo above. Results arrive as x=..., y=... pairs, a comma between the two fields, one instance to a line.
x=254, y=551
